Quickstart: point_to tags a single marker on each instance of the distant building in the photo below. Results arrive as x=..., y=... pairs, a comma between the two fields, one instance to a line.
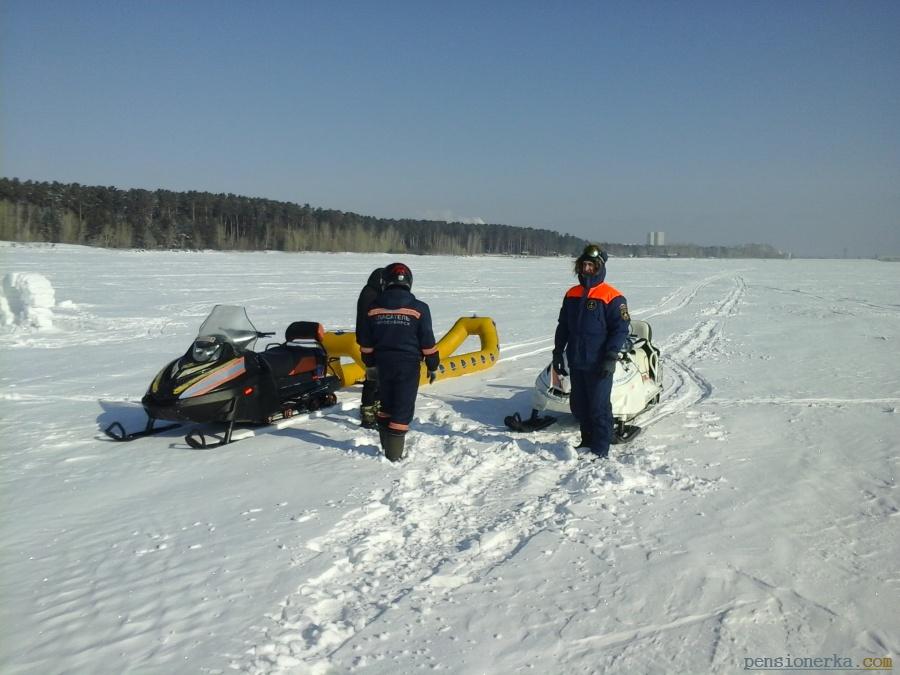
x=656, y=239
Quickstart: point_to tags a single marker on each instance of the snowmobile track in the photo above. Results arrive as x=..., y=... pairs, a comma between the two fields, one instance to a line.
x=680, y=352
x=678, y=299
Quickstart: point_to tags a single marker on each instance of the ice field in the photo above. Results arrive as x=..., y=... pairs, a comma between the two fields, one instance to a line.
x=756, y=516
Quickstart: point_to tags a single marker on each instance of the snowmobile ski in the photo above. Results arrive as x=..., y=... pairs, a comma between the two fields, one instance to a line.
x=286, y=417
x=117, y=432
x=625, y=433
x=533, y=423
x=198, y=440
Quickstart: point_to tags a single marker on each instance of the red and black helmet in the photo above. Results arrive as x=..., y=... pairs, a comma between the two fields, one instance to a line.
x=398, y=274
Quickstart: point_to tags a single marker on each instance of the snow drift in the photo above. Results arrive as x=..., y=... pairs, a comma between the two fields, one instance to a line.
x=26, y=300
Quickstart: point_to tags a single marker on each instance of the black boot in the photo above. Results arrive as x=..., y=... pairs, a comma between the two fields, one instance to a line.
x=586, y=438
x=382, y=423
x=393, y=443
x=369, y=404
x=367, y=416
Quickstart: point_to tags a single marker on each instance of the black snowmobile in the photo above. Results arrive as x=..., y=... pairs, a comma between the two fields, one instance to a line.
x=221, y=379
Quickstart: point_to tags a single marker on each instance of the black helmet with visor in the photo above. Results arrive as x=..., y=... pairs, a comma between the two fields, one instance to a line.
x=592, y=253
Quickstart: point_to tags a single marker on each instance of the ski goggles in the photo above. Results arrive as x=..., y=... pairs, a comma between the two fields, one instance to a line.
x=592, y=253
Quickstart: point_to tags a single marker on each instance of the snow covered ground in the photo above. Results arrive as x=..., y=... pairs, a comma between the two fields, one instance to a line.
x=756, y=516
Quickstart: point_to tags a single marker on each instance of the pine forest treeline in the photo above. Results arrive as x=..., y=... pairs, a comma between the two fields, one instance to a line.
x=114, y=218
x=69, y=213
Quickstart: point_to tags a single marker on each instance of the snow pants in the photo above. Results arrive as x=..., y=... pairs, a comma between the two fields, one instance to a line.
x=590, y=402
x=398, y=386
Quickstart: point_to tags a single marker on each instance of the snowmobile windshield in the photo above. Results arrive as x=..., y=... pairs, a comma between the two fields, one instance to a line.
x=232, y=322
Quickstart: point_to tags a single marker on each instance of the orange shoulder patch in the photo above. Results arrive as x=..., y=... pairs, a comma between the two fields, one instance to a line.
x=604, y=292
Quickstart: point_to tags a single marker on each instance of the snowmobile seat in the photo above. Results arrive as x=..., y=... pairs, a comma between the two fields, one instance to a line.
x=304, y=330
x=302, y=353
x=293, y=360
x=641, y=330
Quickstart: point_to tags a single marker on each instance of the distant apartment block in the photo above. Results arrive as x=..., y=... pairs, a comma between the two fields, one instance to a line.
x=656, y=239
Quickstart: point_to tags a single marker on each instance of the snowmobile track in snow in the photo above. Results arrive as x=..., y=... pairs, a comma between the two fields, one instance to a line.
x=543, y=344
x=677, y=299
x=680, y=352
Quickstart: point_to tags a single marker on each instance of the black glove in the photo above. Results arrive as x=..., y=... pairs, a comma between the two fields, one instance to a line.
x=559, y=364
x=608, y=365
x=368, y=359
x=432, y=361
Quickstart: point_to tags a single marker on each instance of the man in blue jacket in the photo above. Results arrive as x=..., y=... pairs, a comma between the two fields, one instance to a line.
x=592, y=331
x=395, y=337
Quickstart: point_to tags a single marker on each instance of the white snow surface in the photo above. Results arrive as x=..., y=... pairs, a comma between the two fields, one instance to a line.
x=756, y=515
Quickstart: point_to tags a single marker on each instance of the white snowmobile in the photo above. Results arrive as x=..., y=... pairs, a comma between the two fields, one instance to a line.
x=637, y=384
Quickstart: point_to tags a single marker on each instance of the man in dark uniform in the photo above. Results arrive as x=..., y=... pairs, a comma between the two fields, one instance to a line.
x=592, y=331
x=395, y=338
x=369, y=404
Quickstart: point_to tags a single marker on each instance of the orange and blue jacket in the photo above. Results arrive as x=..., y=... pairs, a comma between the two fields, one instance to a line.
x=593, y=323
x=398, y=328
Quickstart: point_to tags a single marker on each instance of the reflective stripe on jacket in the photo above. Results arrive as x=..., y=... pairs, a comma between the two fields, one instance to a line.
x=397, y=326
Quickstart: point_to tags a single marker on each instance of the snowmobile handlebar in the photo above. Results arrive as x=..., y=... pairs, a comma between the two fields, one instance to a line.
x=268, y=334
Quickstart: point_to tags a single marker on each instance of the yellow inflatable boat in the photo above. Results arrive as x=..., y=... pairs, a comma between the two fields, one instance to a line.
x=343, y=345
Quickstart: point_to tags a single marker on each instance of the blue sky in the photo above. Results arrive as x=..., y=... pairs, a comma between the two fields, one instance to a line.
x=716, y=122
